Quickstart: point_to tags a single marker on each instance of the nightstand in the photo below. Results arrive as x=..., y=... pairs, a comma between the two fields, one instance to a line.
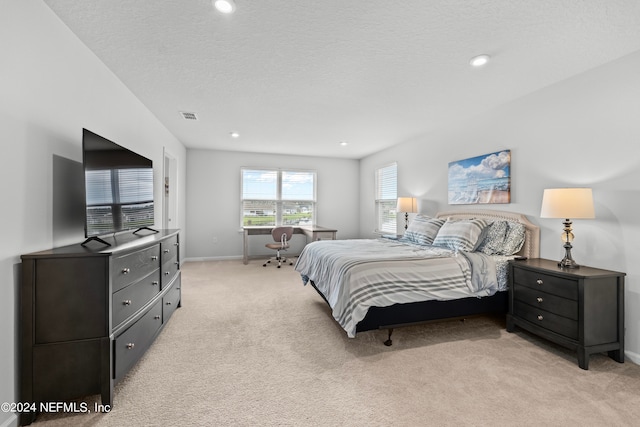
x=581, y=309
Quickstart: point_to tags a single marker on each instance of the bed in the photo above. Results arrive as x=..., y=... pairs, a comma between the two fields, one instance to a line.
x=448, y=266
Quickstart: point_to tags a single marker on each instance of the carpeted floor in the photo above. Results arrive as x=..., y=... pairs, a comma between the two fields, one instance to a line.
x=251, y=346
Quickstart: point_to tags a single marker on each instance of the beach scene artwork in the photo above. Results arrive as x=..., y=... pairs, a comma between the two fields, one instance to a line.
x=481, y=179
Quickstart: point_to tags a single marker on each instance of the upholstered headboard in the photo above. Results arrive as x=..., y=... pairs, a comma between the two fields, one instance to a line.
x=531, y=246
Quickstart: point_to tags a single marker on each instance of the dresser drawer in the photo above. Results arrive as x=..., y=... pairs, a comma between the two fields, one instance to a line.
x=132, y=267
x=547, y=320
x=132, y=343
x=169, y=271
x=170, y=248
x=171, y=300
x=129, y=300
x=566, y=288
x=547, y=302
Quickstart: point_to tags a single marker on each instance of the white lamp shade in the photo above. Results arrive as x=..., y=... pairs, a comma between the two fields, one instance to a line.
x=407, y=204
x=568, y=203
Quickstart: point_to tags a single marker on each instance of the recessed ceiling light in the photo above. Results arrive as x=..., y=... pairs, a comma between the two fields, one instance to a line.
x=344, y=143
x=234, y=134
x=224, y=6
x=479, y=61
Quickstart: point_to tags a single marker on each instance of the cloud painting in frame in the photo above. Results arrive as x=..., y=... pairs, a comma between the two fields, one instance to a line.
x=481, y=179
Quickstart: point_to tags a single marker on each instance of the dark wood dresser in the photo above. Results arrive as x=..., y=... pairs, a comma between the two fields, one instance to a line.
x=87, y=314
x=581, y=309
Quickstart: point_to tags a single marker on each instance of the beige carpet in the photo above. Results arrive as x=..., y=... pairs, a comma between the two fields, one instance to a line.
x=252, y=347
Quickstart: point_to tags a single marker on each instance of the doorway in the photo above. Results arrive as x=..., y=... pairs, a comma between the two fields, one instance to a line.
x=169, y=192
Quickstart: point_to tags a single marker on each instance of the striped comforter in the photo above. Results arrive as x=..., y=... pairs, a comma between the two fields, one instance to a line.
x=354, y=275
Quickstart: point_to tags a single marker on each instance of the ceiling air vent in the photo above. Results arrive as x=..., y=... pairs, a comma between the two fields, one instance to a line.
x=189, y=116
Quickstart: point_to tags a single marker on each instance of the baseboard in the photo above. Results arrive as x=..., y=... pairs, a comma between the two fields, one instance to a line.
x=214, y=258
x=232, y=257
x=12, y=421
x=634, y=357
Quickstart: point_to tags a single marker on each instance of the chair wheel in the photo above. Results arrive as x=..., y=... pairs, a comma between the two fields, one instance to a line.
x=279, y=266
x=264, y=265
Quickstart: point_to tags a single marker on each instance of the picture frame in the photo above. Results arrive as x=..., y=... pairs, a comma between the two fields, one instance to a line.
x=482, y=179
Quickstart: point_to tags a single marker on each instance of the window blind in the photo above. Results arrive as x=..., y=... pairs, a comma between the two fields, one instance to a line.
x=386, y=198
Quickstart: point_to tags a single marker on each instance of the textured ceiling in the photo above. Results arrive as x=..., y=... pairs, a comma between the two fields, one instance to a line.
x=298, y=77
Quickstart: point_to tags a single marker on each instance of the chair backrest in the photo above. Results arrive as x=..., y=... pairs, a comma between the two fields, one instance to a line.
x=282, y=234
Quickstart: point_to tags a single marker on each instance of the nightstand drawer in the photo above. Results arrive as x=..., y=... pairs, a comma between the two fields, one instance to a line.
x=547, y=302
x=566, y=288
x=547, y=320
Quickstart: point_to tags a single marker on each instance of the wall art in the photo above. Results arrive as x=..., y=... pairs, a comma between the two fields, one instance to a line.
x=481, y=179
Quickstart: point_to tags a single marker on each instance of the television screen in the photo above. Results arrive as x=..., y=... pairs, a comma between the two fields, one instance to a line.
x=118, y=187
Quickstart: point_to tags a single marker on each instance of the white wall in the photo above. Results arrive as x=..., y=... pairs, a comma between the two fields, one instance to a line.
x=584, y=131
x=213, y=199
x=51, y=86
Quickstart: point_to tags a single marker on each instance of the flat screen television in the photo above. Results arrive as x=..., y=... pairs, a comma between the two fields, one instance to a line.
x=118, y=188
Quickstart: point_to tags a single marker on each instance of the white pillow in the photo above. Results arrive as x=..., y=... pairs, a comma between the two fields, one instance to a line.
x=461, y=235
x=422, y=230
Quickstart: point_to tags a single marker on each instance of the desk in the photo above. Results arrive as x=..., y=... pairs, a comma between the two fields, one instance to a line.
x=311, y=232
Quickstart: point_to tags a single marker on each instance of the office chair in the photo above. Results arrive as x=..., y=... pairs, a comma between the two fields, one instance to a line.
x=281, y=237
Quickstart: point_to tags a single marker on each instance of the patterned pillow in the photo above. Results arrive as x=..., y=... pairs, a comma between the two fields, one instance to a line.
x=503, y=238
x=461, y=235
x=493, y=242
x=514, y=239
x=422, y=230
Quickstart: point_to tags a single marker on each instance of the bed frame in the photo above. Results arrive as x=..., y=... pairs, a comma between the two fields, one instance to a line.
x=407, y=314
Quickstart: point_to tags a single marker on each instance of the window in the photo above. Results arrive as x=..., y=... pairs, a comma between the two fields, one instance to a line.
x=273, y=197
x=386, y=198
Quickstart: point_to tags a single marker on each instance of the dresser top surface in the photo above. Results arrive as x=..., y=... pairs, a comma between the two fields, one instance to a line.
x=552, y=267
x=119, y=243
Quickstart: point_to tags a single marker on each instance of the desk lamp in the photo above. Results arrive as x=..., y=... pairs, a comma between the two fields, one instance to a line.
x=567, y=203
x=407, y=205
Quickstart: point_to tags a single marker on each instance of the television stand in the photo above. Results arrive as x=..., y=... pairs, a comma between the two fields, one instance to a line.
x=145, y=228
x=87, y=316
x=96, y=238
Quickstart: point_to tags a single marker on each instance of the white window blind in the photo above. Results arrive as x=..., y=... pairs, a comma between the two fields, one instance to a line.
x=273, y=197
x=386, y=198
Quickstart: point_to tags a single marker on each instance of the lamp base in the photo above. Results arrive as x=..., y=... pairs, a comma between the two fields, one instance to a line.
x=567, y=261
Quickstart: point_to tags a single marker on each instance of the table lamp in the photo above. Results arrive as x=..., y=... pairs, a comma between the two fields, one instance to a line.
x=407, y=205
x=576, y=203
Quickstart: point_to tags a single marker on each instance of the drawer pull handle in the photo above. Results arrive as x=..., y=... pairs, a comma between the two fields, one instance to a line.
x=130, y=346
x=127, y=302
x=156, y=317
x=125, y=271
x=155, y=283
x=154, y=258
x=166, y=273
x=176, y=244
x=168, y=303
x=539, y=299
x=540, y=317
x=166, y=251
x=539, y=282
x=177, y=263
